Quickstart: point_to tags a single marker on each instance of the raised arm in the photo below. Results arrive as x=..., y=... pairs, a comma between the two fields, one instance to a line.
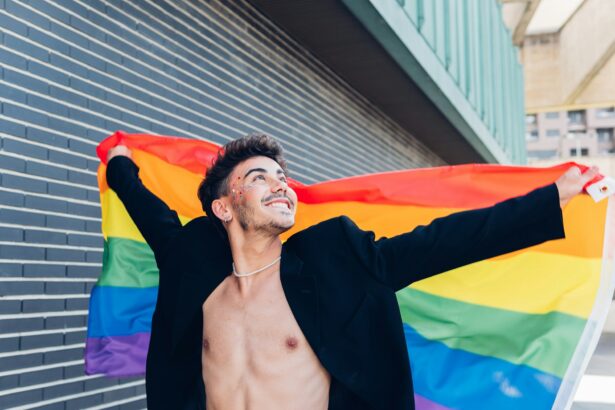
x=470, y=236
x=154, y=219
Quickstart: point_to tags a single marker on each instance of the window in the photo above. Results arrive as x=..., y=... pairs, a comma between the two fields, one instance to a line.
x=552, y=115
x=531, y=136
x=576, y=117
x=604, y=134
x=530, y=119
x=576, y=134
x=542, y=153
x=605, y=112
x=584, y=152
x=552, y=133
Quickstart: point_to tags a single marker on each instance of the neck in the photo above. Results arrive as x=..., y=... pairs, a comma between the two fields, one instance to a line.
x=253, y=251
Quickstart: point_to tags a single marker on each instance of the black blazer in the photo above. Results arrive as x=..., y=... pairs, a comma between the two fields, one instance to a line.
x=339, y=281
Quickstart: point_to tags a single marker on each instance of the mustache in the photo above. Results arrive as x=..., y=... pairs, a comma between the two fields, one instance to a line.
x=272, y=197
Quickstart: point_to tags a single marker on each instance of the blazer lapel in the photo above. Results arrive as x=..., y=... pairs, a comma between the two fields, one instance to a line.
x=302, y=296
x=208, y=269
x=193, y=290
x=301, y=289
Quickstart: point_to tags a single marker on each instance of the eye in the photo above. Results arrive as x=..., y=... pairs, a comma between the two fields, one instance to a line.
x=262, y=177
x=283, y=179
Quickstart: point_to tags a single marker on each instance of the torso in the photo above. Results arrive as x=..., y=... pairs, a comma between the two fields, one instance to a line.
x=254, y=354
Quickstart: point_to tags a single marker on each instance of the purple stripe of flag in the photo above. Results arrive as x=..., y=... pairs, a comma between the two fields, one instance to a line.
x=421, y=403
x=117, y=355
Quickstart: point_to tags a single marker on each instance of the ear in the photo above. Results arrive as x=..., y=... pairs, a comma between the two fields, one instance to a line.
x=221, y=209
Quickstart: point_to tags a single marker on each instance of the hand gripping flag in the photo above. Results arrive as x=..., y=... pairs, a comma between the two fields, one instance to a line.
x=515, y=331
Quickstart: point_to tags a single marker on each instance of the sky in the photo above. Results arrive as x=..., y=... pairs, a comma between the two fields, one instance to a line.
x=551, y=15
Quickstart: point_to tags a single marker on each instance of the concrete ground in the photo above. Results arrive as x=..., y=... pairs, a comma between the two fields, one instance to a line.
x=597, y=388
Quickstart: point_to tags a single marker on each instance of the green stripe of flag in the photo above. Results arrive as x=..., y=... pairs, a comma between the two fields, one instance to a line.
x=543, y=341
x=128, y=263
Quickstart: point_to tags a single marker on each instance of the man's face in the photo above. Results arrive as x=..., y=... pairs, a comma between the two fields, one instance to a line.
x=260, y=198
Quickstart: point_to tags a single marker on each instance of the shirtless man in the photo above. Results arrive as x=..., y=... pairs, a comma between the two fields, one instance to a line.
x=256, y=338
x=254, y=353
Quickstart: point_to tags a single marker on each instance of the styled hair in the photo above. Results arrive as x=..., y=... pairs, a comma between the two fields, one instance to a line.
x=216, y=181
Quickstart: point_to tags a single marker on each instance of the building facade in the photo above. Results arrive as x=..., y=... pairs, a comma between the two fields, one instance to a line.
x=569, y=134
x=569, y=68
x=359, y=100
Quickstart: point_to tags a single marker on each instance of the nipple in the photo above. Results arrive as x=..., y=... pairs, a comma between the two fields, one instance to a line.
x=205, y=344
x=292, y=342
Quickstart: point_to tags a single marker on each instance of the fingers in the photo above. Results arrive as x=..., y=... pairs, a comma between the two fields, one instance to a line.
x=119, y=150
x=590, y=174
x=574, y=171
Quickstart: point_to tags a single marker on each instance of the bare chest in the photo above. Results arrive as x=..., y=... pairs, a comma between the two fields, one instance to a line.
x=254, y=353
x=240, y=327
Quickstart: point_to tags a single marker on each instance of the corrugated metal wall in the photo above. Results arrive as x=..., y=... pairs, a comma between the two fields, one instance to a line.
x=72, y=72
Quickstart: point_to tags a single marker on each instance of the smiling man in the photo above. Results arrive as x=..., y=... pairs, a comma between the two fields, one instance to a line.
x=252, y=343
x=244, y=321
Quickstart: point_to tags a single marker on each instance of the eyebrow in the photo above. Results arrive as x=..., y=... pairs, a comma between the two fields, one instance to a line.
x=278, y=172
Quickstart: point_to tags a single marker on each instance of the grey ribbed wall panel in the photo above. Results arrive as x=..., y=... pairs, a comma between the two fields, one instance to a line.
x=71, y=73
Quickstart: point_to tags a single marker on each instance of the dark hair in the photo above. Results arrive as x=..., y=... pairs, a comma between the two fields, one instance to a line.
x=216, y=180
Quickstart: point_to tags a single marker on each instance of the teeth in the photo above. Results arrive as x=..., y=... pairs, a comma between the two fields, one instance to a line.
x=279, y=205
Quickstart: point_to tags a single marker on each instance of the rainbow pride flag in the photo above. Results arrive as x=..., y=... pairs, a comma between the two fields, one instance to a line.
x=511, y=332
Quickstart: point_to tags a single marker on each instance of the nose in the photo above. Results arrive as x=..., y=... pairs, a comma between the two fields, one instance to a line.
x=279, y=186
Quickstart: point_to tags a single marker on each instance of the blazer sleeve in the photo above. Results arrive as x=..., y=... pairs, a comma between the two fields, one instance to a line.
x=460, y=238
x=155, y=220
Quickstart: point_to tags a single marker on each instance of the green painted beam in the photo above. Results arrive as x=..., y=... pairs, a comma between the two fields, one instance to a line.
x=461, y=56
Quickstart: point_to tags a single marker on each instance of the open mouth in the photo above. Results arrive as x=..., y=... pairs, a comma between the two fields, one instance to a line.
x=279, y=203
